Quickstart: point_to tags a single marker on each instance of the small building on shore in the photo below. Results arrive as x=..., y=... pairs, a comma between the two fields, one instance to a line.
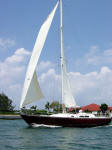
x=93, y=108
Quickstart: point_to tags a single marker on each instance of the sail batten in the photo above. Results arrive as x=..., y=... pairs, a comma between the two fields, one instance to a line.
x=30, y=75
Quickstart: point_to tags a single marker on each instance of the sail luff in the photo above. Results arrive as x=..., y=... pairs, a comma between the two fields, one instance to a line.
x=42, y=35
x=67, y=97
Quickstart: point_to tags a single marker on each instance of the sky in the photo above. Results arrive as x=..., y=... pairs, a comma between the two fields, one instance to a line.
x=87, y=31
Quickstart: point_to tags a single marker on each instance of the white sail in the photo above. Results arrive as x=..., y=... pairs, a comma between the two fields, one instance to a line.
x=67, y=97
x=31, y=91
x=34, y=91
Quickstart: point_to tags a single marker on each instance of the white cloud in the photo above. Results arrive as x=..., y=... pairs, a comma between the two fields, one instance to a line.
x=6, y=43
x=108, y=52
x=12, y=72
x=44, y=65
x=51, y=84
x=14, y=65
x=18, y=56
x=96, y=56
x=92, y=87
x=22, y=52
x=87, y=88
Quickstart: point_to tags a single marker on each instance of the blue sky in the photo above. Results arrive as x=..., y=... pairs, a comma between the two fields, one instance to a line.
x=87, y=34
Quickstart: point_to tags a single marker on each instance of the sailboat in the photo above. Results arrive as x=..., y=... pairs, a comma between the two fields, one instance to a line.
x=32, y=91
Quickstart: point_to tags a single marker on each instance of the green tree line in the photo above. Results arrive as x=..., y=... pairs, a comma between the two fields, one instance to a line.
x=55, y=106
x=6, y=103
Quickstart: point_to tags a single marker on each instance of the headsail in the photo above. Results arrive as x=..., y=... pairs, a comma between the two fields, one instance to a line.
x=67, y=97
x=31, y=91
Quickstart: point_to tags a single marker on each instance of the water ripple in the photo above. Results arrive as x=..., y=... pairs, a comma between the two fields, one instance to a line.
x=16, y=135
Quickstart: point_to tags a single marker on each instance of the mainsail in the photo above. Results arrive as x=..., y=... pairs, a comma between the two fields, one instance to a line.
x=67, y=97
x=31, y=91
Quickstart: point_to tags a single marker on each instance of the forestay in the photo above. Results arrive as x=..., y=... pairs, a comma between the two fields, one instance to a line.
x=31, y=91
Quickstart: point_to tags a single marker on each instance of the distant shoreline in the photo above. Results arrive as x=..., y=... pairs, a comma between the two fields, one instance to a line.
x=10, y=117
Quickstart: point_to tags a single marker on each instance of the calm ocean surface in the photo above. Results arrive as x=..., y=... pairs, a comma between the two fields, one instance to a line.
x=16, y=135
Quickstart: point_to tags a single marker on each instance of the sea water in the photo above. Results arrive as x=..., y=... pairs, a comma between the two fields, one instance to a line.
x=16, y=135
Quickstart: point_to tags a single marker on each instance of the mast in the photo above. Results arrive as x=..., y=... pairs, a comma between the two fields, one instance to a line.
x=68, y=100
x=62, y=53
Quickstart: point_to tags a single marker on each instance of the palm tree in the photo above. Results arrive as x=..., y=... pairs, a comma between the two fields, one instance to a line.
x=104, y=108
x=55, y=106
x=33, y=107
x=47, y=106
